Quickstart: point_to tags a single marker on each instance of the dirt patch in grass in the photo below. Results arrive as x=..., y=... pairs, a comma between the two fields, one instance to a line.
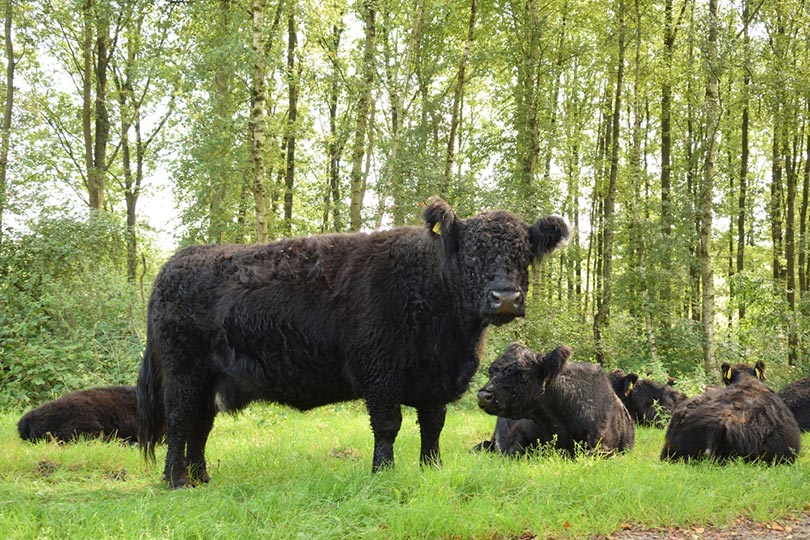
x=795, y=528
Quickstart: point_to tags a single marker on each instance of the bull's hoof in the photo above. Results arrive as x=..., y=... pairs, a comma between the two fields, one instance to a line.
x=182, y=481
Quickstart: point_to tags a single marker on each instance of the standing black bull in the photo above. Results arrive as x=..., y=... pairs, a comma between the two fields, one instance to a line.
x=394, y=317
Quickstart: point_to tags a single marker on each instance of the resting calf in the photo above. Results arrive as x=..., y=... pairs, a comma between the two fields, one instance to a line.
x=743, y=419
x=572, y=402
x=97, y=412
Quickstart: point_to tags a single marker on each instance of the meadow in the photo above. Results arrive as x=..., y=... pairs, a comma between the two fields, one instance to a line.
x=282, y=474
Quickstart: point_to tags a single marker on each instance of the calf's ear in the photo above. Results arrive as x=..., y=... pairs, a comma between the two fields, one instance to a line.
x=759, y=369
x=554, y=361
x=547, y=234
x=630, y=383
x=442, y=222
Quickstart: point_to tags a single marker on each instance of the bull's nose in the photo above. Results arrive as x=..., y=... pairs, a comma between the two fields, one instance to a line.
x=485, y=398
x=506, y=302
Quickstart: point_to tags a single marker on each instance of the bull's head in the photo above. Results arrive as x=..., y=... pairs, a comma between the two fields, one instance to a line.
x=517, y=380
x=494, y=251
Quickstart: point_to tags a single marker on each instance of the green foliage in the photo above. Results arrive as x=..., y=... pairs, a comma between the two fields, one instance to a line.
x=69, y=319
x=278, y=473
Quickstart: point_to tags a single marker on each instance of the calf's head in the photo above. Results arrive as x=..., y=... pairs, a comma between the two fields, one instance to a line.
x=643, y=398
x=518, y=379
x=491, y=253
x=732, y=374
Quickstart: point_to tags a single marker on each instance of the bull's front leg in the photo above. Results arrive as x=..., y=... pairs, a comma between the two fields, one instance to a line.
x=386, y=419
x=431, y=423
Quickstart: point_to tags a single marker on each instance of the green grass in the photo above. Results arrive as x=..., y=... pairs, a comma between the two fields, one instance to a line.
x=277, y=473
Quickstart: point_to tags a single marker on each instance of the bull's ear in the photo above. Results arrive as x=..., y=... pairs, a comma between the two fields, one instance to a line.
x=629, y=383
x=547, y=234
x=441, y=220
x=725, y=370
x=554, y=361
x=759, y=369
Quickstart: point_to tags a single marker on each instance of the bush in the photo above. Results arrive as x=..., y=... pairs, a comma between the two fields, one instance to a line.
x=69, y=318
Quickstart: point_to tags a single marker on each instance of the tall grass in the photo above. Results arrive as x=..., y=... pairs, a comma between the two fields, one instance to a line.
x=277, y=473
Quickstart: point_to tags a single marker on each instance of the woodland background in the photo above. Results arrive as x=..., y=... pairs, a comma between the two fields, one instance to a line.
x=672, y=134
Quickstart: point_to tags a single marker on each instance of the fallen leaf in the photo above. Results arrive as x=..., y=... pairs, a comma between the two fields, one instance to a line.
x=776, y=527
x=626, y=527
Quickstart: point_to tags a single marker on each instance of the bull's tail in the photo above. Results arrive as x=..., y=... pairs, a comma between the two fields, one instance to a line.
x=151, y=409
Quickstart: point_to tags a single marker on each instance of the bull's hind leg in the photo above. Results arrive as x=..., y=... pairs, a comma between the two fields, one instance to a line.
x=188, y=424
x=431, y=423
x=195, y=447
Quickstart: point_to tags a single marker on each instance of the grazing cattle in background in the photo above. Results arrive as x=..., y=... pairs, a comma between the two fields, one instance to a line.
x=796, y=396
x=394, y=317
x=106, y=413
x=650, y=403
x=743, y=419
x=572, y=402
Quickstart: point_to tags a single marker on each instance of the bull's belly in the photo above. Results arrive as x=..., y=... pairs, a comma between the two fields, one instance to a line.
x=303, y=381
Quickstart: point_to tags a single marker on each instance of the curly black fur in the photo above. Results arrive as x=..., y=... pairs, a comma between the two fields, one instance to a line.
x=107, y=413
x=796, y=396
x=569, y=403
x=744, y=419
x=394, y=317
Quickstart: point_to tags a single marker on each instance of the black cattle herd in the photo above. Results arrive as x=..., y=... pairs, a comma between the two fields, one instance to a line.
x=398, y=317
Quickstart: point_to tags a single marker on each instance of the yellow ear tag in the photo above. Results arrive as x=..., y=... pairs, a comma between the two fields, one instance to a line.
x=629, y=389
x=728, y=374
x=437, y=228
x=759, y=374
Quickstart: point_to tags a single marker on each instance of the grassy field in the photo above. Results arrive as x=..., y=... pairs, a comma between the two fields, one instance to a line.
x=278, y=473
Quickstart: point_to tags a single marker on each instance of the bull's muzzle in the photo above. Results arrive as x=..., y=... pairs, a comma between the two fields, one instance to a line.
x=506, y=303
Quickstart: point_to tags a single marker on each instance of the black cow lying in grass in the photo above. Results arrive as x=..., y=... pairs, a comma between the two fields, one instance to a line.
x=650, y=403
x=107, y=413
x=796, y=396
x=393, y=317
x=743, y=419
x=572, y=402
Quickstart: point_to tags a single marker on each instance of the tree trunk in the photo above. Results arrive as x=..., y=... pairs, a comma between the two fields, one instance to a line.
x=8, y=107
x=258, y=119
x=790, y=268
x=102, y=120
x=526, y=121
x=744, y=151
x=87, y=101
x=399, y=91
x=294, y=75
x=335, y=142
x=603, y=306
x=775, y=212
x=804, y=277
x=707, y=190
x=638, y=215
x=666, y=121
x=457, y=94
x=361, y=124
